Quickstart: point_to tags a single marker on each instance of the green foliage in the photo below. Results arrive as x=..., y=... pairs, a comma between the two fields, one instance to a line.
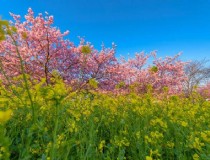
x=154, y=69
x=3, y=24
x=24, y=35
x=120, y=85
x=86, y=49
x=4, y=144
x=6, y=29
x=93, y=83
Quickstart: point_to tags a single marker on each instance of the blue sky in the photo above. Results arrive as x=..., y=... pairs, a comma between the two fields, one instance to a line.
x=168, y=26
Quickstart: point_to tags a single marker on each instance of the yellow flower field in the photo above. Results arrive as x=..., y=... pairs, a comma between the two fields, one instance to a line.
x=88, y=125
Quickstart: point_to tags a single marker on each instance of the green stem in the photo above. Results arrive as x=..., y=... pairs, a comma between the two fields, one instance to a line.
x=55, y=132
x=24, y=78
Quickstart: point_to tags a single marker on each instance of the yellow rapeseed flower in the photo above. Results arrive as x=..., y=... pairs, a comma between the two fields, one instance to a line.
x=138, y=134
x=170, y=144
x=184, y=124
x=5, y=115
x=206, y=136
x=154, y=153
x=148, y=158
x=158, y=121
x=195, y=157
x=101, y=145
x=197, y=144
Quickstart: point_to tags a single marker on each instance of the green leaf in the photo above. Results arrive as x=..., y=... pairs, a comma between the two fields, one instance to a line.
x=86, y=49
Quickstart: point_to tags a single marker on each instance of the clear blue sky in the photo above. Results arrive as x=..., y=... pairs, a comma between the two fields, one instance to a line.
x=169, y=26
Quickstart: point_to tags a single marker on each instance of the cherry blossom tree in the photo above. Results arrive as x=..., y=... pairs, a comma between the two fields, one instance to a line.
x=38, y=49
x=37, y=43
x=161, y=74
x=42, y=49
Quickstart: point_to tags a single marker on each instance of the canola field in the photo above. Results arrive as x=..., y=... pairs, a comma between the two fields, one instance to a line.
x=57, y=124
